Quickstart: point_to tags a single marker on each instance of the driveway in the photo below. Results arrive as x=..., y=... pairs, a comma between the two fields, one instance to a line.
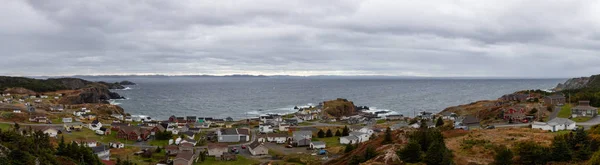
x=554, y=113
x=591, y=122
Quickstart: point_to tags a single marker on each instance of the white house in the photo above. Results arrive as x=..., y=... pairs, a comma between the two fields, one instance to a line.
x=95, y=125
x=556, y=124
x=363, y=137
x=51, y=131
x=86, y=110
x=116, y=145
x=317, y=145
x=99, y=132
x=367, y=130
x=258, y=148
x=17, y=111
x=279, y=138
x=44, y=97
x=265, y=128
x=89, y=143
x=67, y=120
x=118, y=116
x=349, y=140
x=103, y=152
x=79, y=113
x=284, y=127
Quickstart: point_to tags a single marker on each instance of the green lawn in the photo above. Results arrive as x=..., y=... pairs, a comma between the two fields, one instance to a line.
x=330, y=141
x=240, y=160
x=306, y=124
x=381, y=121
x=565, y=111
x=91, y=135
x=5, y=127
x=57, y=121
x=581, y=119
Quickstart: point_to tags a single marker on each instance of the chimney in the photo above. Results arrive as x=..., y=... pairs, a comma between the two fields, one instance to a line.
x=584, y=103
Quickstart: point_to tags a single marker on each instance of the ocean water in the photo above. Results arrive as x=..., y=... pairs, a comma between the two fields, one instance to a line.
x=249, y=97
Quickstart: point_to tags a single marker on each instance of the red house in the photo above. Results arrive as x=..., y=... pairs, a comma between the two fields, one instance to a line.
x=133, y=133
x=515, y=113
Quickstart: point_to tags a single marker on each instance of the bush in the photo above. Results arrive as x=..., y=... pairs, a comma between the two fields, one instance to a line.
x=503, y=156
x=411, y=153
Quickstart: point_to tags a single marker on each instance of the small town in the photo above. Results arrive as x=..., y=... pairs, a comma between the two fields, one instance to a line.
x=331, y=132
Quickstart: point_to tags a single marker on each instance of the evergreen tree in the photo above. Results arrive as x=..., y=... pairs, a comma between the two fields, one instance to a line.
x=61, y=147
x=411, y=153
x=349, y=148
x=329, y=133
x=370, y=153
x=355, y=160
x=387, y=139
x=158, y=149
x=531, y=153
x=438, y=154
x=559, y=150
x=321, y=134
x=503, y=156
x=423, y=124
x=582, y=149
x=345, y=131
x=439, y=122
x=17, y=127
x=338, y=133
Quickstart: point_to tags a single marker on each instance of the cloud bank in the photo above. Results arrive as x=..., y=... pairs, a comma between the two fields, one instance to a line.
x=464, y=38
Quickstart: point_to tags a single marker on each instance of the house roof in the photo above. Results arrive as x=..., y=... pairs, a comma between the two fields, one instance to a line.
x=129, y=129
x=188, y=133
x=254, y=144
x=244, y=131
x=95, y=122
x=217, y=145
x=73, y=123
x=357, y=133
x=558, y=121
x=469, y=119
x=353, y=138
x=119, y=124
x=302, y=133
x=185, y=155
x=584, y=107
x=229, y=131
x=101, y=148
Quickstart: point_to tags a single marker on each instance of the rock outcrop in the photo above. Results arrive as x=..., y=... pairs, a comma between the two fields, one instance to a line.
x=127, y=83
x=94, y=94
x=574, y=83
x=19, y=90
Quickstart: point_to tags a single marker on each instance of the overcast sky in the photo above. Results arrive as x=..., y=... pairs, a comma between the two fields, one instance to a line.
x=457, y=38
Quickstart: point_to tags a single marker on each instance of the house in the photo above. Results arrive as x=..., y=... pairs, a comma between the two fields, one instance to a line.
x=398, y=126
x=117, y=126
x=89, y=143
x=515, y=113
x=190, y=119
x=366, y=130
x=172, y=119
x=555, y=100
x=195, y=130
x=116, y=145
x=50, y=131
x=301, y=138
x=133, y=133
x=556, y=124
x=128, y=118
x=172, y=150
x=317, y=145
x=88, y=116
x=426, y=115
x=233, y=135
x=394, y=117
x=349, y=140
x=188, y=140
x=67, y=120
x=17, y=111
x=217, y=149
x=38, y=119
x=103, y=152
x=292, y=122
x=270, y=118
x=190, y=135
x=44, y=97
x=73, y=126
x=449, y=115
x=284, y=127
x=184, y=158
x=258, y=148
x=265, y=128
x=467, y=121
x=117, y=116
x=186, y=147
x=279, y=138
x=95, y=125
x=79, y=113
x=584, y=109
x=57, y=108
x=362, y=137
x=86, y=110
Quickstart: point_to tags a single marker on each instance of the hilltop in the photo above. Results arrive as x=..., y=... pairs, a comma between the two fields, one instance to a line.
x=339, y=107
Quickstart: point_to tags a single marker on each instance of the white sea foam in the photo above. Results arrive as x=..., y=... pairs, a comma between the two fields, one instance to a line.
x=389, y=112
x=114, y=102
x=280, y=111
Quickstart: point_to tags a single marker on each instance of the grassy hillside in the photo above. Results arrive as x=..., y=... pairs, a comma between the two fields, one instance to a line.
x=32, y=84
x=339, y=107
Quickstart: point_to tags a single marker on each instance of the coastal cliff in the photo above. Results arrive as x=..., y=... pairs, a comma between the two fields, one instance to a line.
x=75, y=90
x=579, y=83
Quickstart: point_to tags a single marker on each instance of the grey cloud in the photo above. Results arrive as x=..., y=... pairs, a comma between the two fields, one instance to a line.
x=377, y=37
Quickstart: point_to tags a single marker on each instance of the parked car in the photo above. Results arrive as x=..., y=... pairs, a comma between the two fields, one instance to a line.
x=490, y=127
x=243, y=146
x=289, y=146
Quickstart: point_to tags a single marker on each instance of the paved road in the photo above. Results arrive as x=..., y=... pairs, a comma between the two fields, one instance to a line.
x=554, y=112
